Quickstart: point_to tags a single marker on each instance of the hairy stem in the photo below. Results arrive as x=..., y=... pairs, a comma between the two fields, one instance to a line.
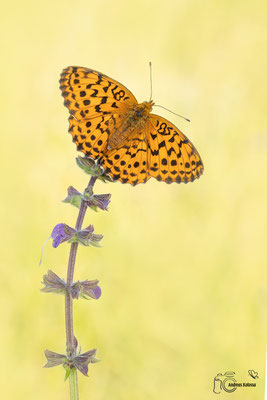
x=70, y=338
x=74, y=393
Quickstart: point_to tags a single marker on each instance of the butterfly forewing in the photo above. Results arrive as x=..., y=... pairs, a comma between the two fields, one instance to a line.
x=98, y=106
x=89, y=92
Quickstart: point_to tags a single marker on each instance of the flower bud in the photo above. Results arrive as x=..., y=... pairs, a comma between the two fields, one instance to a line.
x=92, y=168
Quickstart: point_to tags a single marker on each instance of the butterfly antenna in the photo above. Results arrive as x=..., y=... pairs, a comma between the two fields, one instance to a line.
x=156, y=105
x=150, y=68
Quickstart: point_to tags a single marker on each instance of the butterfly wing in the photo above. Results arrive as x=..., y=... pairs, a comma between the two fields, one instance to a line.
x=91, y=135
x=160, y=150
x=171, y=156
x=97, y=104
x=128, y=163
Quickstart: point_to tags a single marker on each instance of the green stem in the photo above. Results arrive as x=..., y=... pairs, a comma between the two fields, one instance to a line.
x=74, y=392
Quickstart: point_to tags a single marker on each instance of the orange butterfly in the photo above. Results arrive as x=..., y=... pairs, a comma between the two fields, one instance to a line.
x=110, y=126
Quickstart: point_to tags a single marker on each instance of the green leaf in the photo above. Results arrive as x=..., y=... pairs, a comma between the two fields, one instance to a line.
x=67, y=372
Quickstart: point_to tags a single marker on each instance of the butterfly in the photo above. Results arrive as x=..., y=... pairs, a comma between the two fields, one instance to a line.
x=131, y=144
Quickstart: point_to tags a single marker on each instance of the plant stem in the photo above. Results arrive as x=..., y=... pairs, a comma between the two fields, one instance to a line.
x=74, y=393
x=71, y=343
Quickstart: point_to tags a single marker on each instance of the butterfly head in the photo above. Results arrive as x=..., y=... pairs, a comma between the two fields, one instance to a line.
x=142, y=110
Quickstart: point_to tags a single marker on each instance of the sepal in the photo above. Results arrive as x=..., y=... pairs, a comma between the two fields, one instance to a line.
x=96, y=201
x=54, y=359
x=74, y=197
x=87, y=237
x=53, y=283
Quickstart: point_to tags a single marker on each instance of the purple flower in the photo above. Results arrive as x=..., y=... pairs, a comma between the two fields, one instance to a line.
x=86, y=289
x=80, y=361
x=99, y=201
x=61, y=233
x=96, y=292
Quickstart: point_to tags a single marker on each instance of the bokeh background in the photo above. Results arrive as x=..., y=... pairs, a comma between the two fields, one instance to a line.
x=183, y=267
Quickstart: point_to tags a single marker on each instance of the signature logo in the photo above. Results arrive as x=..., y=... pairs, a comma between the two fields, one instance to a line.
x=223, y=382
x=253, y=373
x=229, y=384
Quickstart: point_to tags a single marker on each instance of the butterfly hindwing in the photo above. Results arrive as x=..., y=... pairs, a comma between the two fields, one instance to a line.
x=171, y=156
x=91, y=136
x=128, y=163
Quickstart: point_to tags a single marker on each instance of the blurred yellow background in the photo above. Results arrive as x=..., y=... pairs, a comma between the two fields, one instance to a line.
x=183, y=267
